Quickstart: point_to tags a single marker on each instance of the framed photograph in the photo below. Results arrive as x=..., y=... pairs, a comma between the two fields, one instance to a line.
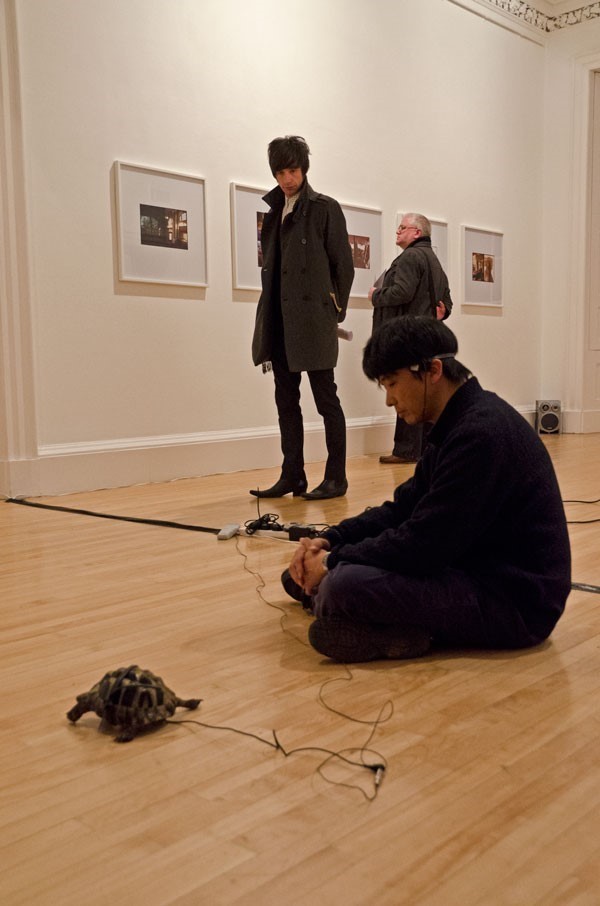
x=364, y=233
x=161, y=225
x=247, y=212
x=482, y=267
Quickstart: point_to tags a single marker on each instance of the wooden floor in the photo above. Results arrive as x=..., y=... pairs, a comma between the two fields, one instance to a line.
x=492, y=791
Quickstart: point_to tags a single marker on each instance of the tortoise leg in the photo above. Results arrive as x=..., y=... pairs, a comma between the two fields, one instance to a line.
x=190, y=703
x=126, y=734
x=77, y=710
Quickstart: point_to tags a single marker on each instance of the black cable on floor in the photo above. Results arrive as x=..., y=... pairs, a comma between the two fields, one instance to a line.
x=182, y=525
x=581, y=586
x=162, y=522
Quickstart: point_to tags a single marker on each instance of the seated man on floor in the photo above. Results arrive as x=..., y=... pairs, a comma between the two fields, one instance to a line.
x=473, y=550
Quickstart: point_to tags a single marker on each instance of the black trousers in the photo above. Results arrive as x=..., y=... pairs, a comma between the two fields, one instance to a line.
x=449, y=605
x=287, y=400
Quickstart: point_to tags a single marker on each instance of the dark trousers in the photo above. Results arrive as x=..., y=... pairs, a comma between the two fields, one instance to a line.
x=409, y=440
x=448, y=605
x=287, y=399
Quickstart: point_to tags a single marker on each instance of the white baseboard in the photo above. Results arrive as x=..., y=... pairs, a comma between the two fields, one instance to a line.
x=573, y=421
x=68, y=468
x=581, y=421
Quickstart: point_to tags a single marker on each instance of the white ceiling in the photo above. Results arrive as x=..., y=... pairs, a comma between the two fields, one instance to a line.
x=556, y=7
x=547, y=7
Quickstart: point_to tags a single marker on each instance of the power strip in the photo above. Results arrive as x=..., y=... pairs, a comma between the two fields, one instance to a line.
x=296, y=531
x=228, y=531
x=293, y=531
x=266, y=533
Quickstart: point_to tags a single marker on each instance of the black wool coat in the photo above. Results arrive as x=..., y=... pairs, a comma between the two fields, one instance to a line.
x=406, y=288
x=306, y=279
x=484, y=500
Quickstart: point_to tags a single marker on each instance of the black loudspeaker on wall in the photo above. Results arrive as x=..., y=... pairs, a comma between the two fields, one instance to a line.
x=547, y=416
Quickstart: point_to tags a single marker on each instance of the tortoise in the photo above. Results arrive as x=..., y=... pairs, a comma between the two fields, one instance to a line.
x=130, y=699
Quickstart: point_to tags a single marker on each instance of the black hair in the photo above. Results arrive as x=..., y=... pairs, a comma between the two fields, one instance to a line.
x=287, y=153
x=408, y=341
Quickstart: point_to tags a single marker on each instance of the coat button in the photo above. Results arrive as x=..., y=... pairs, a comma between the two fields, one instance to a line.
x=304, y=242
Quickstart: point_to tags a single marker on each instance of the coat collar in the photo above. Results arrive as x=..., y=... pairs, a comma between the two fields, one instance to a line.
x=422, y=240
x=276, y=199
x=467, y=395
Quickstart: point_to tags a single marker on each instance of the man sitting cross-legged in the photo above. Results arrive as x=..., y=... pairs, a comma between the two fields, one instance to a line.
x=473, y=550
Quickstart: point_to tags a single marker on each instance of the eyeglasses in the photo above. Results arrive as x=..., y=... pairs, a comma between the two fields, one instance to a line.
x=404, y=226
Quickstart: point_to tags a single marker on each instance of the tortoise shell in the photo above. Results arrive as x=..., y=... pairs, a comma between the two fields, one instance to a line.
x=130, y=699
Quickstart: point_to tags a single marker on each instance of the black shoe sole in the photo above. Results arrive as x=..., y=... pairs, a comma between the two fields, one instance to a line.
x=279, y=491
x=324, y=495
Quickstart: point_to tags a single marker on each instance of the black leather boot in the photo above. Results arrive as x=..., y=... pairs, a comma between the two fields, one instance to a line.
x=282, y=487
x=326, y=490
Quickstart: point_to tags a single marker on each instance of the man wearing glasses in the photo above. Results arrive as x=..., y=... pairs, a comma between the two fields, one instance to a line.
x=414, y=284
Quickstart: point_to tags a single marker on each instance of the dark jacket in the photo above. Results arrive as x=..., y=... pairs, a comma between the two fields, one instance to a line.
x=484, y=500
x=406, y=287
x=306, y=279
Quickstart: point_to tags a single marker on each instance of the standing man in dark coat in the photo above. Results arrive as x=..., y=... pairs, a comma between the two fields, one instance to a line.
x=414, y=284
x=306, y=279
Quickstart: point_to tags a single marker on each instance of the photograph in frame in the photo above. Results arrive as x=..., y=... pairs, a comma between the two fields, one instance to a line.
x=482, y=267
x=364, y=235
x=247, y=212
x=161, y=226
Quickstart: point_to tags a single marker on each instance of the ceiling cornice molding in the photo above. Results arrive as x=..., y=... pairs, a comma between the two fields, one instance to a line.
x=529, y=15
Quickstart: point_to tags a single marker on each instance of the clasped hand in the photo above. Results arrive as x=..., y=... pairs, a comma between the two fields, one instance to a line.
x=306, y=568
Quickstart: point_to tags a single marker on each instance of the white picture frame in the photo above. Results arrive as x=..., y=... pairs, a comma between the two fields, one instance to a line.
x=247, y=205
x=161, y=226
x=482, y=267
x=364, y=233
x=439, y=241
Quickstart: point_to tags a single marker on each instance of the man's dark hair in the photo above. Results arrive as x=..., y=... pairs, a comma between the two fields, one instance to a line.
x=287, y=153
x=410, y=340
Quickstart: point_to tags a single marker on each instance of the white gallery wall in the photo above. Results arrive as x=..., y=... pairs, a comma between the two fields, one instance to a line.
x=406, y=105
x=571, y=325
